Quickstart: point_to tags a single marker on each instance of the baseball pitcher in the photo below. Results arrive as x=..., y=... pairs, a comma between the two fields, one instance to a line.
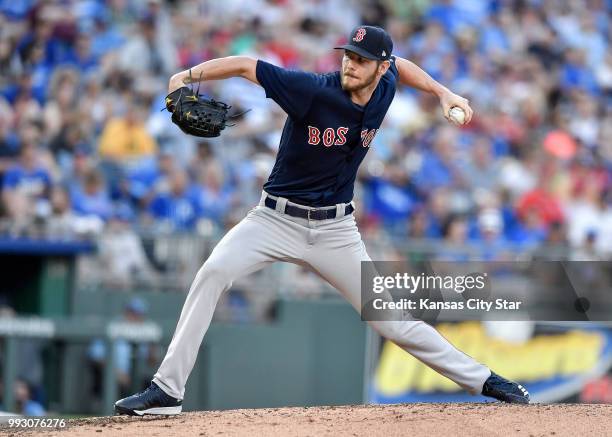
x=305, y=214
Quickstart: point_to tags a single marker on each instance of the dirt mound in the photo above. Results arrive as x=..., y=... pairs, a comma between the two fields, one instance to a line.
x=489, y=419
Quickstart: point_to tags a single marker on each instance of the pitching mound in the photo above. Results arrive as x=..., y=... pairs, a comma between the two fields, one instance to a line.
x=491, y=419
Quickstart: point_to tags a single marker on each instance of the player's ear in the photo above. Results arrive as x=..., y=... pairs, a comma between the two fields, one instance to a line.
x=383, y=66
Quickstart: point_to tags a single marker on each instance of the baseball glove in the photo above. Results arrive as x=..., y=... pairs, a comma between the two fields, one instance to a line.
x=196, y=115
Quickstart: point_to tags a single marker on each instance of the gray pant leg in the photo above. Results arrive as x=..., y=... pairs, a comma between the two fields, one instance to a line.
x=259, y=239
x=336, y=255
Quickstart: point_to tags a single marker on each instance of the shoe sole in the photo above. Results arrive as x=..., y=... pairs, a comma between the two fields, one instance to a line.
x=510, y=398
x=159, y=411
x=517, y=400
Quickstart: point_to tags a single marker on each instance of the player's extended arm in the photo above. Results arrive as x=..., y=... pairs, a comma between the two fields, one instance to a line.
x=215, y=69
x=412, y=75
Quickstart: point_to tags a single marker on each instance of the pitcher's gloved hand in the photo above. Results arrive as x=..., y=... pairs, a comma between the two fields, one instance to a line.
x=196, y=115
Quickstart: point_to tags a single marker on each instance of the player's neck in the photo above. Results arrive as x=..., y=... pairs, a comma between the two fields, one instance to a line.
x=362, y=96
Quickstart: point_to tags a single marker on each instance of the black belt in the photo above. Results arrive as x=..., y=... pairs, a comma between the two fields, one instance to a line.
x=310, y=214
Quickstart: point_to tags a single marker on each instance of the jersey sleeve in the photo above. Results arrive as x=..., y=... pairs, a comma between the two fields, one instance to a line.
x=293, y=90
x=393, y=68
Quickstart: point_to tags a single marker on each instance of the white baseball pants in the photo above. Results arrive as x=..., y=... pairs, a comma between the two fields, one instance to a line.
x=334, y=250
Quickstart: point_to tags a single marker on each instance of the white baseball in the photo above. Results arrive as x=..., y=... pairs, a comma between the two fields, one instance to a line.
x=457, y=115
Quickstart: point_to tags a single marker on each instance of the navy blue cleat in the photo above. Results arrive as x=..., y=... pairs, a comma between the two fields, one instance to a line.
x=153, y=400
x=503, y=390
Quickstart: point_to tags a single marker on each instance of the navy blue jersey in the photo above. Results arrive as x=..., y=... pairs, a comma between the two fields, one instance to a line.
x=326, y=135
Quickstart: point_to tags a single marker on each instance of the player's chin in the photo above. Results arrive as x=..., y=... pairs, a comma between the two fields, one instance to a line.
x=351, y=84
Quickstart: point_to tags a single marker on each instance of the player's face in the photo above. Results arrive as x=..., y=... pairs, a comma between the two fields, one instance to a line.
x=357, y=72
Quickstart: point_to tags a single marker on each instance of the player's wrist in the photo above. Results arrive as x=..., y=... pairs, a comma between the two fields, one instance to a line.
x=439, y=90
x=177, y=81
x=174, y=84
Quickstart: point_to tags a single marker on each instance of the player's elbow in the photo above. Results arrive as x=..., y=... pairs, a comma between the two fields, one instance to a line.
x=247, y=67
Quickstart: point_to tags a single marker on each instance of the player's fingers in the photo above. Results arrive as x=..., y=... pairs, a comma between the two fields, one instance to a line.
x=446, y=111
x=445, y=115
x=467, y=110
x=469, y=113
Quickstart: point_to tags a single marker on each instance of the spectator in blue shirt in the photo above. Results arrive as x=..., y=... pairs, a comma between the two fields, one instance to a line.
x=215, y=194
x=179, y=207
x=106, y=37
x=576, y=74
x=390, y=200
x=150, y=177
x=81, y=55
x=493, y=40
x=27, y=184
x=528, y=230
x=25, y=404
x=489, y=234
x=91, y=197
x=439, y=168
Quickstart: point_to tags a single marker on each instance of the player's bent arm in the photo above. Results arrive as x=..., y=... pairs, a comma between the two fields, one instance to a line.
x=215, y=69
x=412, y=75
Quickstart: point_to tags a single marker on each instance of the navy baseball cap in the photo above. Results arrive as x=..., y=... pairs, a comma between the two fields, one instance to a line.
x=370, y=42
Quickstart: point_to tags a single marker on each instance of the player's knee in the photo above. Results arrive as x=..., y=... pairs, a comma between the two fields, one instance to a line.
x=401, y=332
x=392, y=333
x=216, y=271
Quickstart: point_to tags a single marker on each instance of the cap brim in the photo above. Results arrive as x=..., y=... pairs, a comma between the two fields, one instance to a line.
x=361, y=52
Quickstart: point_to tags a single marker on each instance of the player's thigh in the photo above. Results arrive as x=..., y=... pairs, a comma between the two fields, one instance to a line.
x=338, y=258
x=256, y=241
x=340, y=266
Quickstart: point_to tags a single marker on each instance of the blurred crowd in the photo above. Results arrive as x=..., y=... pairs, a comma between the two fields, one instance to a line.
x=86, y=151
